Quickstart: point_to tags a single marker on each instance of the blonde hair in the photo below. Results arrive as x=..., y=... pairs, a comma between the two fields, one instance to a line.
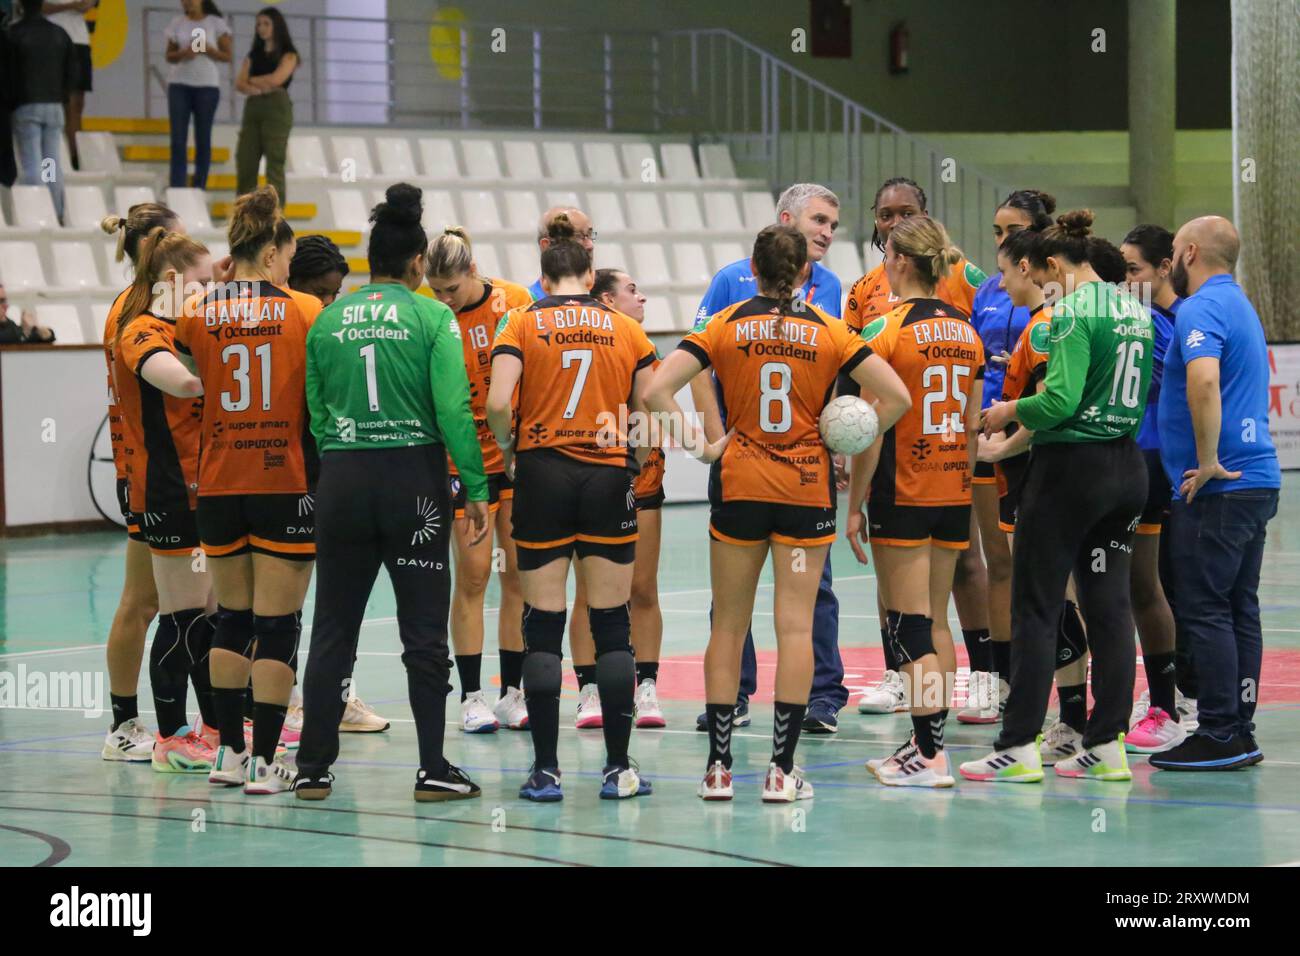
x=256, y=221
x=450, y=254
x=135, y=225
x=159, y=251
x=926, y=243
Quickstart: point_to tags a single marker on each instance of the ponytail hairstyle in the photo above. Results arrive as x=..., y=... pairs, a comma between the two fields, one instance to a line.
x=876, y=241
x=1035, y=204
x=926, y=243
x=780, y=254
x=1019, y=245
x=159, y=251
x=256, y=221
x=1107, y=261
x=450, y=254
x=564, y=256
x=139, y=221
x=315, y=256
x=1156, y=243
x=1066, y=239
x=396, y=236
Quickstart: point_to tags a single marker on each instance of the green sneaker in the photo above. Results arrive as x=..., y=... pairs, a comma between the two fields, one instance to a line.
x=1023, y=764
x=1106, y=761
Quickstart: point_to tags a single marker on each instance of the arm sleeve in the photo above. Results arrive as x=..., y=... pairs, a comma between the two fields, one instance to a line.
x=507, y=340
x=1066, y=373
x=139, y=343
x=450, y=383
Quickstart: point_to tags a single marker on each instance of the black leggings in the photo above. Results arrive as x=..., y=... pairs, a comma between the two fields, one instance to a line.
x=390, y=507
x=1078, y=514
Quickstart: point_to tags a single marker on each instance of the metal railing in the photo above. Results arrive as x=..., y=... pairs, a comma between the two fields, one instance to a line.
x=780, y=124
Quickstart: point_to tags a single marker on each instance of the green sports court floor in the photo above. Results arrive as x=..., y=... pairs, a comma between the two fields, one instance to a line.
x=60, y=802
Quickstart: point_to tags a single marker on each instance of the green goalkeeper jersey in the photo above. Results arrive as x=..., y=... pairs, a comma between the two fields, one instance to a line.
x=1098, y=368
x=384, y=370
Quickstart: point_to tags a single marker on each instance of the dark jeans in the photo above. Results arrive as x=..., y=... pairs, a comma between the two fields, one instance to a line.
x=1219, y=543
x=1078, y=513
x=8, y=163
x=182, y=100
x=399, y=523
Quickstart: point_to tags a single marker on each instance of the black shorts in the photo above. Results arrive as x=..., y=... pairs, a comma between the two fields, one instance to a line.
x=758, y=522
x=171, y=533
x=1159, y=494
x=984, y=473
x=500, y=488
x=651, y=502
x=82, y=68
x=1011, y=482
x=282, y=526
x=563, y=505
x=910, y=526
x=124, y=505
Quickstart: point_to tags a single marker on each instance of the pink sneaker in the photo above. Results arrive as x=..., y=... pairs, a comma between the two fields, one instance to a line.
x=280, y=748
x=1155, y=733
x=182, y=753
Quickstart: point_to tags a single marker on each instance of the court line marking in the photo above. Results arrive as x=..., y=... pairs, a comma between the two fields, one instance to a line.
x=60, y=849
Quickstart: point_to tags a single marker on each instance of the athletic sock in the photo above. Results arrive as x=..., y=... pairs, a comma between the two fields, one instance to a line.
x=647, y=670
x=977, y=648
x=543, y=671
x=470, y=669
x=891, y=662
x=1002, y=659
x=1074, y=705
x=1161, y=670
x=124, y=708
x=786, y=721
x=248, y=699
x=229, y=705
x=169, y=676
x=929, y=733
x=585, y=674
x=720, y=720
x=268, y=720
x=611, y=629
x=512, y=670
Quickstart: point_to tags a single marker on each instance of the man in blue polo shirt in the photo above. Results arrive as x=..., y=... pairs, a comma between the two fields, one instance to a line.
x=815, y=211
x=1216, y=450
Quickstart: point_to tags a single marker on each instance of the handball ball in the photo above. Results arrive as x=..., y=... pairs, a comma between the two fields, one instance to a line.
x=848, y=425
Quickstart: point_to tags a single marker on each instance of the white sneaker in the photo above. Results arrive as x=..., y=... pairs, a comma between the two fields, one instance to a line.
x=1021, y=764
x=1004, y=693
x=476, y=717
x=511, y=710
x=1106, y=761
x=588, y=708
x=229, y=769
x=1060, y=742
x=716, y=784
x=264, y=778
x=902, y=753
x=887, y=697
x=782, y=787
x=1155, y=733
x=645, y=706
x=1140, y=708
x=358, y=718
x=981, y=700
x=293, y=718
x=131, y=742
x=918, y=770
x=1188, y=715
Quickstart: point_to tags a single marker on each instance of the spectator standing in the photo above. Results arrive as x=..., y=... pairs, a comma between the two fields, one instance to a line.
x=72, y=17
x=264, y=78
x=197, y=41
x=42, y=69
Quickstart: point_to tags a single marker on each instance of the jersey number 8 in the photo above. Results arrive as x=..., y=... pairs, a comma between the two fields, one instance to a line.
x=777, y=397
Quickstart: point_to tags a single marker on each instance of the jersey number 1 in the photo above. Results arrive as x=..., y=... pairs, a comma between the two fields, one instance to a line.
x=243, y=397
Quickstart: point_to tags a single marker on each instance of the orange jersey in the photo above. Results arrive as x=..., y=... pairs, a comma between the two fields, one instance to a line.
x=579, y=361
x=250, y=351
x=651, y=477
x=939, y=356
x=160, y=433
x=115, y=434
x=1028, y=362
x=478, y=325
x=776, y=371
x=871, y=297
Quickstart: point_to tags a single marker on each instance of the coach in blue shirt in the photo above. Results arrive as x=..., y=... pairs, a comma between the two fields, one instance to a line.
x=1216, y=450
x=815, y=211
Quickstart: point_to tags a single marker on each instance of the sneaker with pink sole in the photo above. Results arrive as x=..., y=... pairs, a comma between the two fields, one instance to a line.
x=183, y=752
x=1155, y=733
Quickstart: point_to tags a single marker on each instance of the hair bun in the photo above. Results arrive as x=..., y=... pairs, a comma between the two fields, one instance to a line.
x=1076, y=222
x=1047, y=199
x=561, y=228
x=403, y=205
x=111, y=224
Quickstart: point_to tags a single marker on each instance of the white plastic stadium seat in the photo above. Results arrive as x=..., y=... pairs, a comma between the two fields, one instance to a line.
x=99, y=315
x=20, y=269
x=64, y=321
x=602, y=162
x=725, y=253
x=760, y=210
x=34, y=208
x=348, y=209
x=488, y=261
x=124, y=197
x=481, y=214
x=658, y=314
x=523, y=162
x=84, y=207
x=480, y=160
x=644, y=214
x=563, y=197
x=683, y=212
x=716, y=162
x=562, y=161
x=651, y=265
x=75, y=267
x=439, y=212
x=638, y=160
x=522, y=260
x=606, y=213
x=842, y=259
x=690, y=265
x=679, y=163
x=438, y=157
x=611, y=255
x=396, y=160
x=98, y=152
x=522, y=210
x=191, y=205
x=353, y=152
x=307, y=156
x=721, y=214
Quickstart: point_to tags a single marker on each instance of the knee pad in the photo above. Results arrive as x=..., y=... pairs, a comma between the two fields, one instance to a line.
x=543, y=675
x=1071, y=636
x=543, y=631
x=166, y=651
x=277, y=638
x=912, y=634
x=234, y=631
x=611, y=629
x=195, y=630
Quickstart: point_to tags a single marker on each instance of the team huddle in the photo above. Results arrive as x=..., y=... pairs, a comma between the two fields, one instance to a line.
x=447, y=425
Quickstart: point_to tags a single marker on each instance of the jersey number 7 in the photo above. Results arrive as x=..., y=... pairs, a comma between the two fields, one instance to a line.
x=583, y=358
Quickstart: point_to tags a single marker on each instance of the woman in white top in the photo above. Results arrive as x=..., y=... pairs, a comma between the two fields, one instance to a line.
x=197, y=41
x=72, y=17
